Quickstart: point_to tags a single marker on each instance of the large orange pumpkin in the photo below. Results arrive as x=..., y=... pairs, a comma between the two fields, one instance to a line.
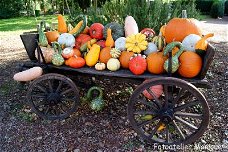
x=190, y=64
x=178, y=28
x=105, y=55
x=155, y=62
x=125, y=58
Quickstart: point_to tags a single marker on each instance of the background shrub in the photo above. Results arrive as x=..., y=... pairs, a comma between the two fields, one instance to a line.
x=226, y=7
x=204, y=5
x=10, y=8
x=217, y=9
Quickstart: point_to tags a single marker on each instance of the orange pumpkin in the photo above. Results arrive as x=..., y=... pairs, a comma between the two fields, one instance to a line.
x=178, y=28
x=52, y=36
x=105, y=55
x=190, y=64
x=155, y=62
x=125, y=58
x=77, y=52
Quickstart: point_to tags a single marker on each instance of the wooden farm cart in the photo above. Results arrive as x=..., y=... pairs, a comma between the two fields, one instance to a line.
x=179, y=116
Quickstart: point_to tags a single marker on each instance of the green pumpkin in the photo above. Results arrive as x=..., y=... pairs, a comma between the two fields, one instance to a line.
x=117, y=30
x=42, y=37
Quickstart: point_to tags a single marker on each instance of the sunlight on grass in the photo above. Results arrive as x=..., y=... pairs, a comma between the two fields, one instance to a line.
x=24, y=23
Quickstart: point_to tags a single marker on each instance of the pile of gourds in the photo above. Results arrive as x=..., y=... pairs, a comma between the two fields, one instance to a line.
x=116, y=46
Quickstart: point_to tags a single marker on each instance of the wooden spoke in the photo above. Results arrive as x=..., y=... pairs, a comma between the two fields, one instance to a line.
x=66, y=91
x=185, y=122
x=186, y=105
x=167, y=134
x=181, y=91
x=59, y=86
x=148, y=103
x=46, y=111
x=185, y=114
x=41, y=89
x=43, y=102
x=50, y=85
x=166, y=93
x=43, y=96
x=179, y=130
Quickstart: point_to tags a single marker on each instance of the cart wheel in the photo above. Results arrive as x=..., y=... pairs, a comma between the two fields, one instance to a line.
x=53, y=96
x=180, y=115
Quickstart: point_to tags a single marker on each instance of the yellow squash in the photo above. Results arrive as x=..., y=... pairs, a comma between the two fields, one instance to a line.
x=76, y=28
x=93, y=55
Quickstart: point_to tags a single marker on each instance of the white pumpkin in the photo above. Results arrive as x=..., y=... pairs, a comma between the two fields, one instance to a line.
x=190, y=41
x=130, y=26
x=120, y=43
x=67, y=40
x=113, y=64
x=150, y=48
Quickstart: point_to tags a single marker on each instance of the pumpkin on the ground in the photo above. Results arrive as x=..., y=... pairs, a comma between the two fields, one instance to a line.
x=105, y=55
x=125, y=58
x=29, y=74
x=190, y=64
x=155, y=62
x=178, y=28
x=96, y=31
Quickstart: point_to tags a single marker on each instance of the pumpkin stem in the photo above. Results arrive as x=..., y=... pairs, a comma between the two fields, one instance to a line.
x=207, y=36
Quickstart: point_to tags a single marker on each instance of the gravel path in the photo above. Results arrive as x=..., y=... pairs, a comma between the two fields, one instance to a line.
x=21, y=130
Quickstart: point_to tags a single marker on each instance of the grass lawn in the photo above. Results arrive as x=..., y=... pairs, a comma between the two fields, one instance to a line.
x=24, y=23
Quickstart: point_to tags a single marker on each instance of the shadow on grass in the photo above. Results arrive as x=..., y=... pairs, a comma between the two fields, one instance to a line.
x=24, y=23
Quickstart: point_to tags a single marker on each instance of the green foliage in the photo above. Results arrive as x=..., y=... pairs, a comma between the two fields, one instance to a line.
x=217, y=9
x=204, y=5
x=226, y=7
x=10, y=8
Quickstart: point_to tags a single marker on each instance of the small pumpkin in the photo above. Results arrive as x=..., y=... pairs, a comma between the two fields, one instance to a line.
x=76, y=62
x=52, y=36
x=136, y=43
x=105, y=55
x=77, y=52
x=93, y=55
x=190, y=64
x=201, y=45
x=67, y=52
x=113, y=64
x=109, y=40
x=155, y=62
x=150, y=49
x=48, y=53
x=130, y=26
x=120, y=43
x=117, y=30
x=115, y=53
x=125, y=58
x=29, y=74
x=137, y=64
x=159, y=41
x=96, y=31
x=178, y=28
x=149, y=33
x=62, y=25
x=66, y=40
x=100, y=66
x=190, y=41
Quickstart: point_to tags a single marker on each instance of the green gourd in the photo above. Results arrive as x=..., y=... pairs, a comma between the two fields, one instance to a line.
x=57, y=58
x=96, y=104
x=175, y=61
x=42, y=37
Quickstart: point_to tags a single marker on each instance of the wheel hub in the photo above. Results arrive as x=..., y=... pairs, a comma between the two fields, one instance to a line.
x=167, y=115
x=53, y=98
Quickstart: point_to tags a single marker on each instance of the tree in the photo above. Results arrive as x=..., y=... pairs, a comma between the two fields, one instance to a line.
x=10, y=8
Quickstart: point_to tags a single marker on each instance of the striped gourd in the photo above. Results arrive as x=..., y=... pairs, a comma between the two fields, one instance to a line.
x=159, y=41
